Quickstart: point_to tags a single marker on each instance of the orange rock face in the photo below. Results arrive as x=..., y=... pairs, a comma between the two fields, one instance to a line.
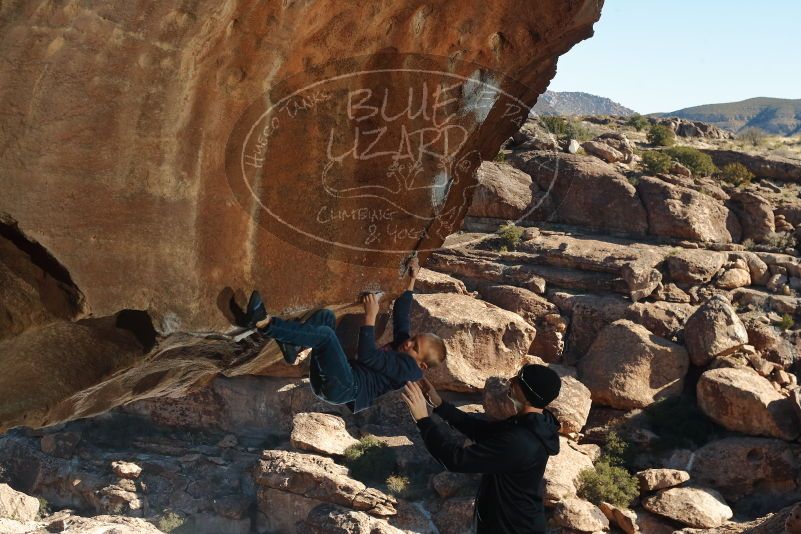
x=168, y=160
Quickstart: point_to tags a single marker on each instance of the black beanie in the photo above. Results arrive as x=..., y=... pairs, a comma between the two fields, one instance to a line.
x=544, y=382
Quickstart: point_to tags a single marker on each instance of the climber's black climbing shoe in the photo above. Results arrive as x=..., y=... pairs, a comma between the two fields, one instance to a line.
x=290, y=352
x=255, y=311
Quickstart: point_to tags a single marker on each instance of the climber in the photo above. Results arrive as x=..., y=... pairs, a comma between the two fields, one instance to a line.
x=511, y=454
x=356, y=383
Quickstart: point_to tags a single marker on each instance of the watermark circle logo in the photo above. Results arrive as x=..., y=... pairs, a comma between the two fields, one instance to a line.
x=369, y=157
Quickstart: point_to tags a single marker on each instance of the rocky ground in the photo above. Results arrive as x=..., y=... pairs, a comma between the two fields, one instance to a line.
x=669, y=304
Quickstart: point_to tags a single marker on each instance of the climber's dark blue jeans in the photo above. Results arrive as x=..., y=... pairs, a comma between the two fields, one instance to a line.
x=330, y=373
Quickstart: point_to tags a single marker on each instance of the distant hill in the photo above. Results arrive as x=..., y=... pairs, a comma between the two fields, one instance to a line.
x=574, y=103
x=778, y=116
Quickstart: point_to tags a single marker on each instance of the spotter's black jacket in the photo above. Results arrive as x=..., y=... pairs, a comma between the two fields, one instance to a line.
x=511, y=455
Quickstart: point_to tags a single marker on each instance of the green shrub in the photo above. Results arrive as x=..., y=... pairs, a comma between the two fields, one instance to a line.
x=500, y=156
x=169, y=521
x=44, y=508
x=752, y=136
x=736, y=174
x=398, y=484
x=656, y=162
x=578, y=131
x=565, y=127
x=699, y=163
x=638, y=122
x=786, y=322
x=616, y=450
x=659, y=135
x=780, y=240
x=370, y=461
x=679, y=423
x=511, y=235
x=608, y=483
x=554, y=124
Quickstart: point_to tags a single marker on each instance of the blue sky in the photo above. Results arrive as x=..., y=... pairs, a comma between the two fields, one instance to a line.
x=666, y=55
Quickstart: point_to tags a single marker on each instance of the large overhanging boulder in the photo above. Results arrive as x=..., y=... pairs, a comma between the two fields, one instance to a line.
x=159, y=162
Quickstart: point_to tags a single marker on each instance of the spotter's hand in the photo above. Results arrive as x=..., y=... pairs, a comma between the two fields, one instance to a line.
x=430, y=393
x=413, y=397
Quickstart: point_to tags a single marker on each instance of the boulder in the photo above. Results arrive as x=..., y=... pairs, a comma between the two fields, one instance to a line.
x=562, y=472
x=482, y=339
x=120, y=499
x=756, y=267
x=590, y=314
x=455, y=515
x=742, y=400
x=671, y=293
x=572, y=406
x=649, y=523
x=683, y=213
x=714, y=330
x=502, y=192
x=623, y=518
x=313, y=479
x=770, y=344
x=629, y=367
x=580, y=515
x=691, y=128
x=530, y=306
x=641, y=278
x=309, y=227
x=602, y=150
x=429, y=281
x=534, y=134
x=694, y=266
x=584, y=192
x=544, y=316
x=740, y=467
x=657, y=479
x=12, y=526
x=763, y=166
x=332, y=519
x=16, y=505
x=321, y=433
x=619, y=142
x=755, y=214
x=239, y=405
x=734, y=278
x=681, y=170
x=780, y=304
x=778, y=283
x=695, y=507
x=127, y=470
x=664, y=319
x=413, y=517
